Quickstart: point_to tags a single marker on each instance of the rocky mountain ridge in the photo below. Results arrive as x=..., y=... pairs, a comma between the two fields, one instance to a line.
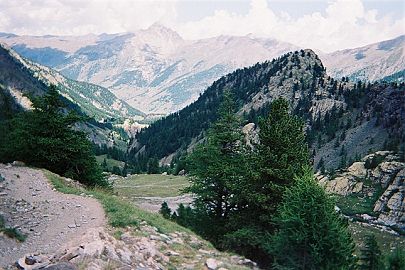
x=157, y=71
x=337, y=113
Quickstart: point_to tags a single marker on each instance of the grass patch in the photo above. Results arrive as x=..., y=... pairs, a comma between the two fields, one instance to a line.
x=151, y=185
x=120, y=212
x=385, y=240
x=110, y=162
x=359, y=203
x=354, y=204
x=11, y=232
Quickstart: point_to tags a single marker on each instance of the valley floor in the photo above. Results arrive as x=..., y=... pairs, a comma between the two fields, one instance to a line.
x=149, y=191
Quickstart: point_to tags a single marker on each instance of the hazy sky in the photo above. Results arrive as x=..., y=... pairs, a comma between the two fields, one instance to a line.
x=325, y=25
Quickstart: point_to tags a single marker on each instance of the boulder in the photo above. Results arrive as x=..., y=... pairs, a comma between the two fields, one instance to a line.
x=357, y=169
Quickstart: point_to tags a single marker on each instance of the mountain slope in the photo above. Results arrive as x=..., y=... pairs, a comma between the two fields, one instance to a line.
x=21, y=77
x=154, y=70
x=157, y=71
x=337, y=113
x=371, y=62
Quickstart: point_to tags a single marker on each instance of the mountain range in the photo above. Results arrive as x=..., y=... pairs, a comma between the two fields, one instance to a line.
x=20, y=77
x=156, y=71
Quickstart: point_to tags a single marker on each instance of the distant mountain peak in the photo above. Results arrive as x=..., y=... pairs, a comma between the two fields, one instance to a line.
x=163, y=30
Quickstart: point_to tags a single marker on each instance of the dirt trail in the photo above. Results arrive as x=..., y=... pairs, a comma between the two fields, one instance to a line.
x=49, y=218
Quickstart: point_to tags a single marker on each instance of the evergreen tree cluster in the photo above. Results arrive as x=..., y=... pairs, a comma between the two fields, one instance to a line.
x=263, y=203
x=45, y=137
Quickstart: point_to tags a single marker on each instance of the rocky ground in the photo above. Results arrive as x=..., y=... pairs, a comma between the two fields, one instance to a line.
x=374, y=190
x=47, y=218
x=69, y=232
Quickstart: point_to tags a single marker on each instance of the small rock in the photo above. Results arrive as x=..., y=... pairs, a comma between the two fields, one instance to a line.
x=247, y=262
x=18, y=163
x=204, y=251
x=30, y=260
x=172, y=253
x=72, y=226
x=154, y=237
x=212, y=264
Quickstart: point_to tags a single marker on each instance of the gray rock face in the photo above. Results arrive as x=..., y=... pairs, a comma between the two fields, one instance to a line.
x=391, y=204
x=386, y=174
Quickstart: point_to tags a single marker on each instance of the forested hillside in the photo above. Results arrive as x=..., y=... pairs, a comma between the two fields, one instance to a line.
x=339, y=114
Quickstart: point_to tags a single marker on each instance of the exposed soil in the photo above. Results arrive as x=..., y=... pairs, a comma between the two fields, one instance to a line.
x=48, y=218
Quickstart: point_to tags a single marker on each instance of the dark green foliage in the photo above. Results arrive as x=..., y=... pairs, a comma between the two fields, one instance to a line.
x=44, y=137
x=153, y=166
x=310, y=235
x=165, y=210
x=396, y=260
x=185, y=216
x=281, y=154
x=216, y=170
x=111, y=152
x=116, y=170
x=370, y=258
x=373, y=162
x=321, y=166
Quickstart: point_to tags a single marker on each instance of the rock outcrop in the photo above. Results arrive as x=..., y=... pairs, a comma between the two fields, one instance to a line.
x=142, y=248
x=379, y=175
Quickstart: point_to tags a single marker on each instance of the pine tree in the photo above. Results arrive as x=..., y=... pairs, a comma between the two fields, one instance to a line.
x=44, y=137
x=310, y=235
x=281, y=154
x=165, y=210
x=216, y=168
x=153, y=166
x=370, y=258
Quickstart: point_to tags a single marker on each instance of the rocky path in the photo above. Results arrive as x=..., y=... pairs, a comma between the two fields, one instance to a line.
x=48, y=218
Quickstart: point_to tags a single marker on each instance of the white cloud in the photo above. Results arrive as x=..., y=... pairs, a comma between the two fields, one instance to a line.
x=74, y=17
x=343, y=24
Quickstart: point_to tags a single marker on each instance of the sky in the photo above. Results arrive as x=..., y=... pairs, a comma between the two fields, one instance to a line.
x=324, y=25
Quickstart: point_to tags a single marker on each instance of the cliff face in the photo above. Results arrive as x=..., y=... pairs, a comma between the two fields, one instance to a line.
x=372, y=190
